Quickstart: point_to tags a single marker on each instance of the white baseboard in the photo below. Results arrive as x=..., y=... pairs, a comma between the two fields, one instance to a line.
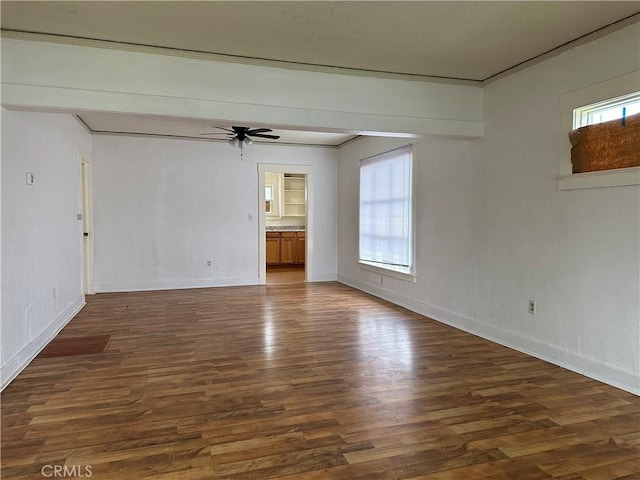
x=173, y=284
x=184, y=284
x=325, y=277
x=589, y=367
x=19, y=361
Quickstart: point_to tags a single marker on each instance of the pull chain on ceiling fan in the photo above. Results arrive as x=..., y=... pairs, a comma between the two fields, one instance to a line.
x=241, y=136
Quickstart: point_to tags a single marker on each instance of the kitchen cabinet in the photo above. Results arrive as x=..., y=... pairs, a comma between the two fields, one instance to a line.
x=285, y=248
x=288, y=254
x=300, y=247
x=273, y=248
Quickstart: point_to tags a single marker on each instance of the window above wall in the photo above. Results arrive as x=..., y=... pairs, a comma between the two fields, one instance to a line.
x=606, y=135
x=600, y=135
x=612, y=109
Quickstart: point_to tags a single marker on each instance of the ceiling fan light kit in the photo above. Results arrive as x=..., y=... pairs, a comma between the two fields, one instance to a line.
x=240, y=137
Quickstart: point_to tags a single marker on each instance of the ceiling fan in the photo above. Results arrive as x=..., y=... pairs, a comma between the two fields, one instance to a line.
x=242, y=136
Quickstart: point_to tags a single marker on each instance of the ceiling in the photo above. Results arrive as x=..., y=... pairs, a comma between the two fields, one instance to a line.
x=422, y=40
x=458, y=40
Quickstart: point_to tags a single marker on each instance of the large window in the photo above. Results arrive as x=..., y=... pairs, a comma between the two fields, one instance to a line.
x=386, y=237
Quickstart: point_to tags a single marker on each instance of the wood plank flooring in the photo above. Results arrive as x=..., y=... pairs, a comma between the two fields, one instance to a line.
x=304, y=381
x=285, y=275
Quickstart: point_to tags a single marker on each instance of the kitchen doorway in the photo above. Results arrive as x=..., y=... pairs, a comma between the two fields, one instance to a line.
x=285, y=223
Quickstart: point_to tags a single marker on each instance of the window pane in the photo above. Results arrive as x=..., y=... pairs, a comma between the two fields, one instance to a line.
x=385, y=209
x=612, y=113
x=608, y=110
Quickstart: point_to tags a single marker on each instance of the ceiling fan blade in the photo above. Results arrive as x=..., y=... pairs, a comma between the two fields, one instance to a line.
x=261, y=135
x=225, y=129
x=258, y=130
x=215, y=133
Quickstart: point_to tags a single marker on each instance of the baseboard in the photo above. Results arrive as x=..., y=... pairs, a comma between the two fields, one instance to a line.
x=174, y=284
x=589, y=367
x=325, y=277
x=19, y=361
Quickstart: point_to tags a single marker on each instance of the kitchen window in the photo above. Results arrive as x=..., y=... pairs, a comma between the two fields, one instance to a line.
x=268, y=198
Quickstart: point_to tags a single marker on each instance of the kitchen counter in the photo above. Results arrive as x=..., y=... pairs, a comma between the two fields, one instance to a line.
x=276, y=228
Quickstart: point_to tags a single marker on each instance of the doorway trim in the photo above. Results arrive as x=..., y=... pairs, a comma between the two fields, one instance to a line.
x=86, y=207
x=262, y=246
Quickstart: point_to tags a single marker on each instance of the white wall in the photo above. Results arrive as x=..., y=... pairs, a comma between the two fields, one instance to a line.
x=446, y=229
x=493, y=231
x=575, y=252
x=41, y=236
x=163, y=207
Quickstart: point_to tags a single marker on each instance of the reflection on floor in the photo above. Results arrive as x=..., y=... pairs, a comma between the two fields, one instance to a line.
x=285, y=275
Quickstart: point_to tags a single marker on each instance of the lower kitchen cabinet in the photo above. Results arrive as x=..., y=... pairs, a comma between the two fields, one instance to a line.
x=301, y=249
x=285, y=248
x=273, y=248
x=288, y=254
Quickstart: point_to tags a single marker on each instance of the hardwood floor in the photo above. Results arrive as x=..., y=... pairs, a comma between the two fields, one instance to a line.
x=307, y=381
x=285, y=275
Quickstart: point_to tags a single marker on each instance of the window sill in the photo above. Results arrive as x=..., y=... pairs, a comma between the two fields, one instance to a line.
x=401, y=275
x=605, y=178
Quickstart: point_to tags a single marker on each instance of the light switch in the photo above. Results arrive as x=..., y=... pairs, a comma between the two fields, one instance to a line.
x=31, y=178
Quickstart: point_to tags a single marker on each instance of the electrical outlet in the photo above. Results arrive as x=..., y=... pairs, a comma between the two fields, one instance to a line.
x=208, y=263
x=532, y=306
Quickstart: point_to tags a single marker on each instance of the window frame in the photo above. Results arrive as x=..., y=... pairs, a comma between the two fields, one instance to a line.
x=581, y=114
x=592, y=95
x=409, y=273
x=276, y=204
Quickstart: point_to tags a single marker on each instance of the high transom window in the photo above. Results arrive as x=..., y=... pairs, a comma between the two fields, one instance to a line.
x=606, y=135
x=613, y=109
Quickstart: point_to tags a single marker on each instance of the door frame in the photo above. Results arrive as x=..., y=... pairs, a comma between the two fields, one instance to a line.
x=262, y=248
x=86, y=207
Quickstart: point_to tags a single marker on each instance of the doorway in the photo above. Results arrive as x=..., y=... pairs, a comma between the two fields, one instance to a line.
x=285, y=223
